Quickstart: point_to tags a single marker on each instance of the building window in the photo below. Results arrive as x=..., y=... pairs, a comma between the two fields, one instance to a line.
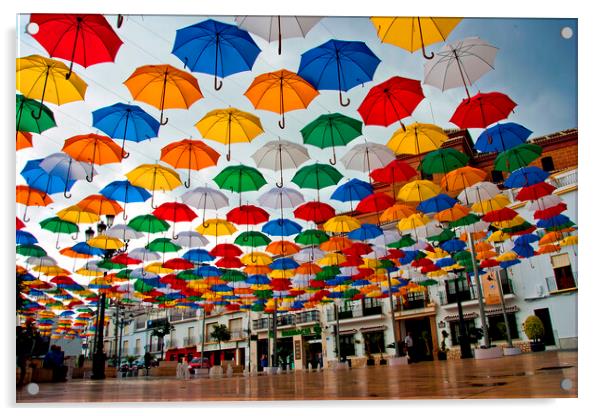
x=454, y=327
x=497, y=327
x=347, y=345
x=138, y=350
x=235, y=327
x=372, y=306
x=414, y=300
x=497, y=176
x=547, y=163
x=563, y=273
x=374, y=342
x=208, y=331
x=462, y=294
x=126, y=348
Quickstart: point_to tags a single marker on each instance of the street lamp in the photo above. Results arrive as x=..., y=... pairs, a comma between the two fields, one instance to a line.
x=465, y=351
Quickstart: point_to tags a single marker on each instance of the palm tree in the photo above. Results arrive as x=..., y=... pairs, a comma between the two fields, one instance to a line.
x=220, y=333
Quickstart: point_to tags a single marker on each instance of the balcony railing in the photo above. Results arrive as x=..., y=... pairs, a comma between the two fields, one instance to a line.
x=288, y=319
x=448, y=297
x=181, y=314
x=188, y=341
x=354, y=310
x=559, y=180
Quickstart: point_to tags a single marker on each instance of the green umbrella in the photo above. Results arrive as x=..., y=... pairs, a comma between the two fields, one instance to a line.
x=330, y=130
x=252, y=239
x=240, y=179
x=428, y=282
x=264, y=294
x=109, y=265
x=385, y=264
x=443, y=160
x=124, y=274
x=163, y=245
x=526, y=225
x=58, y=226
x=142, y=287
x=517, y=157
x=349, y=293
x=85, y=310
x=445, y=235
x=234, y=276
x=466, y=220
x=188, y=275
x=258, y=307
x=462, y=256
x=25, y=120
x=317, y=176
x=328, y=272
x=311, y=237
x=405, y=241
x=128, y=300
x=148, y=224
x=31, y=250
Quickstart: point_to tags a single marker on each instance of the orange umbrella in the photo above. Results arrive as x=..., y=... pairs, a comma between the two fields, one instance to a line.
x=24, y=140
x=164, y=86
x=280, y=91
x=282, y=248
x=336, y=244
x=452, y=214
x=93, y=148
x=397, y=212
x=68, y=252
x=100, y=205
x=189, y=154
x=308, y=269
x=548, y=248
x=461, y=178
x=31, y=197
x=257, y=270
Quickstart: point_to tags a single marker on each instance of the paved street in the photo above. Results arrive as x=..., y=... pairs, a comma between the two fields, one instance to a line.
x=536, y=375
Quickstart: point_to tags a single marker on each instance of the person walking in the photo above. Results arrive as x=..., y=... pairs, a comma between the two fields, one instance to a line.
x=409, y=342
x=147, y=361
x=26, y=343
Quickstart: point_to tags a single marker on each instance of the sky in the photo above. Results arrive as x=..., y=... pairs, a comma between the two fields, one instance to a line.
x=535, y=66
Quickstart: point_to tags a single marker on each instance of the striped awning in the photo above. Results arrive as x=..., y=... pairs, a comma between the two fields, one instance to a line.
x=488, y=312
x=373, y=328
x=456, y=317
x=348, y=332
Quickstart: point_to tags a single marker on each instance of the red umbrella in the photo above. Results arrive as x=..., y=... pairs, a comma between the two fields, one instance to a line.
x=533, y=192
x=317, y=284
x=395, y=253
x=362, y=273
x=482, y=110
x=429, y=268
x=20, y=224
x=526, y=231
x=229, y=263
x=489, y=263
x=423, y=262
x=375, y=203
x=396, y=171
x=63, y=280
x=318, y=212
x=124, y=259
x=247, y=214
x=178, y=264
x=351, y=261
x=87, y=39
x=226, y=250
x=280, y=284
x=504, y=214
x=550, y=212
x=358, y=249
x=391, y=101
x=174, y=212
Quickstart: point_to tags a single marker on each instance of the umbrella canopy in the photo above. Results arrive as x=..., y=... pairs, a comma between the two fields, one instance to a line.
x=443, y=160
x=216, y=227
x=480, y=192
x=416, y=139
x=163, y=86
x=341, y=224
x=317, y=212
x=366, y=156
x=278, y=155
x=252, y=239
x=24, y=140
x=153, y=177
x=502, y=137
x=461, y=178
x=148, y=224
x=418, y=191
x=518, y=157
x=215, y=48
x=338, y=65
x=123, y=232
x=280, y=92
x=125, y=192
x=482, y=110
x=240, y=179
x=228, y=126
x=100, y=205
x=273, y=28
x=330, y=130
x=64, y=166
x=460, y=64
x=247, y=214
x=281, y=227
x=26, y=108
x=87, y=39
x=528, y=176
x=189, y=154
x=413, y=33
x=38, y=178
x=279, y=198
x=391, y=101
x=205, y=198
x=174, y=212
x=317, y=176
x=94, y=149
x=396, y=171
x=535, y=191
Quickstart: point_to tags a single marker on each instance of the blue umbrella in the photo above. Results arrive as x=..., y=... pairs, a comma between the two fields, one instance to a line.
x=365, y=232
x=281, y=227
x=524, y=250
x=215, y=48
x=335, y=295
x=509, y=263
x=526, y=239
x=284, y=263
x=126, y=122
x=353, y=190
x=208, y=271
x=502, y=137
x=198, y=255
x=453, y=245
x=125, y=192
x=338, y=65
x=445, y=262
x=556, y=221
x=360, y=282
x=24, y=237
x=221, y=288
x=258, y=279
x=84, y=248
x=27, y=277
x=437, y=203
x=526, y=177
x=39, y=179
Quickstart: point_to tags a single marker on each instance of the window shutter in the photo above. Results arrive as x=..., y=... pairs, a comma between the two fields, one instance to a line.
x=561, y=260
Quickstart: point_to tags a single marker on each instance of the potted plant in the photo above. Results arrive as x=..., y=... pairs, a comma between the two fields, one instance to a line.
x=534, y=330
x=442, y=353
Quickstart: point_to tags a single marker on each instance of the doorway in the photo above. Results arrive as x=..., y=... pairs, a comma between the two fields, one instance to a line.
x=422, y=337
x=544, y=315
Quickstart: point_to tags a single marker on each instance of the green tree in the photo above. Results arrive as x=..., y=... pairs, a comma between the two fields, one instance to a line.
x=220, y=333
x=161, y=332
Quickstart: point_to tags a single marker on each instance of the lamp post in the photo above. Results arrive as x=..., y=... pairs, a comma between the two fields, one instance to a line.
x=465, y=351
x=98, y=359
x=122, y=323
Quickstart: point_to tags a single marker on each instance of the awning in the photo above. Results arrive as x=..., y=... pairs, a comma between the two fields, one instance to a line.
x=348, y=332
x=488, y=312
x=373, y=329
x=498, y=311
x=456, y=317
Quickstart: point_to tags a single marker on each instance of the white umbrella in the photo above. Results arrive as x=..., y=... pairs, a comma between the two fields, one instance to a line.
x=278, y=155
x=545, y=202
x=271, y=28
x=460, y=64
x=42, y=261
x=308, y=254
x=63, y=165
x=191, y=239
x=279, y=198
x=205, y=198
x=123, y=232
x=366, y=156
x=480, y=191
x=140, y=273
x=143, y=254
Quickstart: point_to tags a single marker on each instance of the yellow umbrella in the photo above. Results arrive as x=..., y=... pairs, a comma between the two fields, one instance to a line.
x=461, y=178
x=216, y=227
x=51, y=270
x=157, y=268
x=76, y=214
x=418, y=191
x=437, y=273
x=341, y=224
x=507, y=256
x=332, y=259
x=229, y=125
x=516, y=221
x=105, y=242
x=282, y=274
x=256, y=259
x=438, y=253
x=90, y=273
x=153, y=177
x=397, y=212
x=497, y=202
x=412, y=222
x=413, y=33
x=44, y=79
x=198, y=285
x=570, y=240
x=371, y=263
x=498, y=237
x=416, y=139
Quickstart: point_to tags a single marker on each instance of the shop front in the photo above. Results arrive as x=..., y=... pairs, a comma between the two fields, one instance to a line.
x=295, y=348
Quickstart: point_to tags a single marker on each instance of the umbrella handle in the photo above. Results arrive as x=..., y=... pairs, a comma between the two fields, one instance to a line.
x=282, y=123
x=280, y=184
x=75, y=236
x=91, y=177
x=39, y=113
x=205, y=225
x=65, y=194
x=187, y=184
x=162, y=121
x=125, y=217
x=344, y=104
x=431, y=56
x=333, y=161
x=119, y=20
x=228, y=156
x=217, y=84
